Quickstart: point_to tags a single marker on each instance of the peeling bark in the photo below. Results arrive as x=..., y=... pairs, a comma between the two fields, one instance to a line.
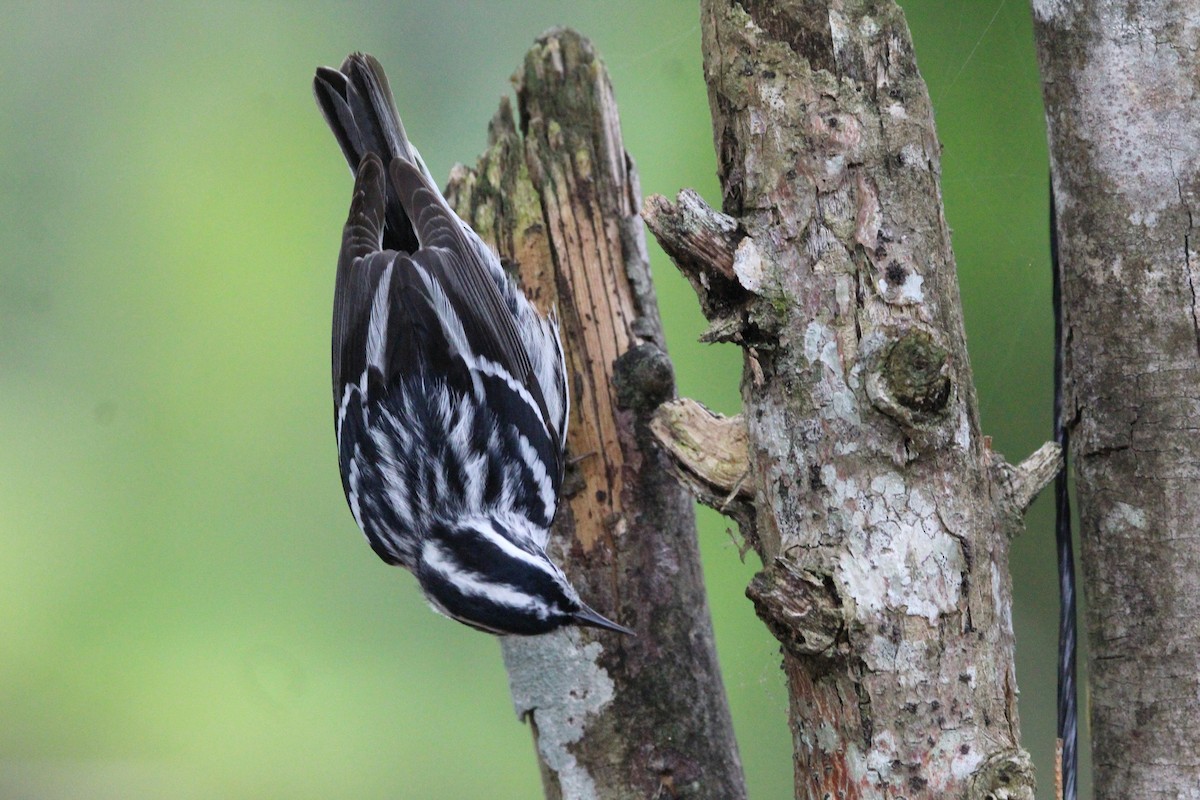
x=1122, y=105
x=881, y=514
x=557, y=196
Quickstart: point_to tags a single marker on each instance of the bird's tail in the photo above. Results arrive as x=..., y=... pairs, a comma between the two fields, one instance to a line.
x=357, y=103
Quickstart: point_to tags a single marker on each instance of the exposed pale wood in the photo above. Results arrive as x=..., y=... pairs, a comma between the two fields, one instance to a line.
x=1026, y=480
x=709, y=446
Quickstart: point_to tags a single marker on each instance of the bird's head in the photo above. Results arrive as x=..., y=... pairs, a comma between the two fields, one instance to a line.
x=491, y=574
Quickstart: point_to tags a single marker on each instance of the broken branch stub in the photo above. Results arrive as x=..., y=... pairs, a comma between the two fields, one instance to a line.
x=556, y=195
x=708, y=453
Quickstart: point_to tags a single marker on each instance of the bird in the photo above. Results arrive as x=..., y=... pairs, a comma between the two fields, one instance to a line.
x=450, y=389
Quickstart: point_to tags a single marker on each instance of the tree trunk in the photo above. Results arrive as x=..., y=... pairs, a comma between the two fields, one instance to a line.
x=1123, y=115
x=612, y=716
x=882, y=517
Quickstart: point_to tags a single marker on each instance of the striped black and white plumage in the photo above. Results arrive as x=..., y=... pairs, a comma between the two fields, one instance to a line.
x=449, y=388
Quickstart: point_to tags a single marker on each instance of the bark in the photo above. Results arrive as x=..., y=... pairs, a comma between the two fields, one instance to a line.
x=881, y=514
x=558, y=197
x=1120, y=84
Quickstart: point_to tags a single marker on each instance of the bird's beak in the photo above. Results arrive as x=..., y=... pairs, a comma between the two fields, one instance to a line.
x=586, y=616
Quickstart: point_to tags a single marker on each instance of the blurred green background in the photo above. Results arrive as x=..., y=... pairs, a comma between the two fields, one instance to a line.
x=186, y=607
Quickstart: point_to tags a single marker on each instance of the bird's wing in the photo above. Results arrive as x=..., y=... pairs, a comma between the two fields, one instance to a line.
x=361, y=263
x=485, y=319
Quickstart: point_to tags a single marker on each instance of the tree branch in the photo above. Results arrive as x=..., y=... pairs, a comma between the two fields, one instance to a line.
x=557, y=195
x=879, y=511
x=1122, y=105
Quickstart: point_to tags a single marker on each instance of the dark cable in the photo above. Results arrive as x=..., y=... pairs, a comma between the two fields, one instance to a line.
x=1068, y=712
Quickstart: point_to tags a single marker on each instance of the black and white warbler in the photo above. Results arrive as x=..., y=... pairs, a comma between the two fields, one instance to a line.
x=449, y=388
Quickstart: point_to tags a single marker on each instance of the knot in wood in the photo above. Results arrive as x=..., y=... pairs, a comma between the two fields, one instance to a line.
x=908, y=378
x=1007, y=775
x=804, y=612
x=915, y=369
x=643, y=378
